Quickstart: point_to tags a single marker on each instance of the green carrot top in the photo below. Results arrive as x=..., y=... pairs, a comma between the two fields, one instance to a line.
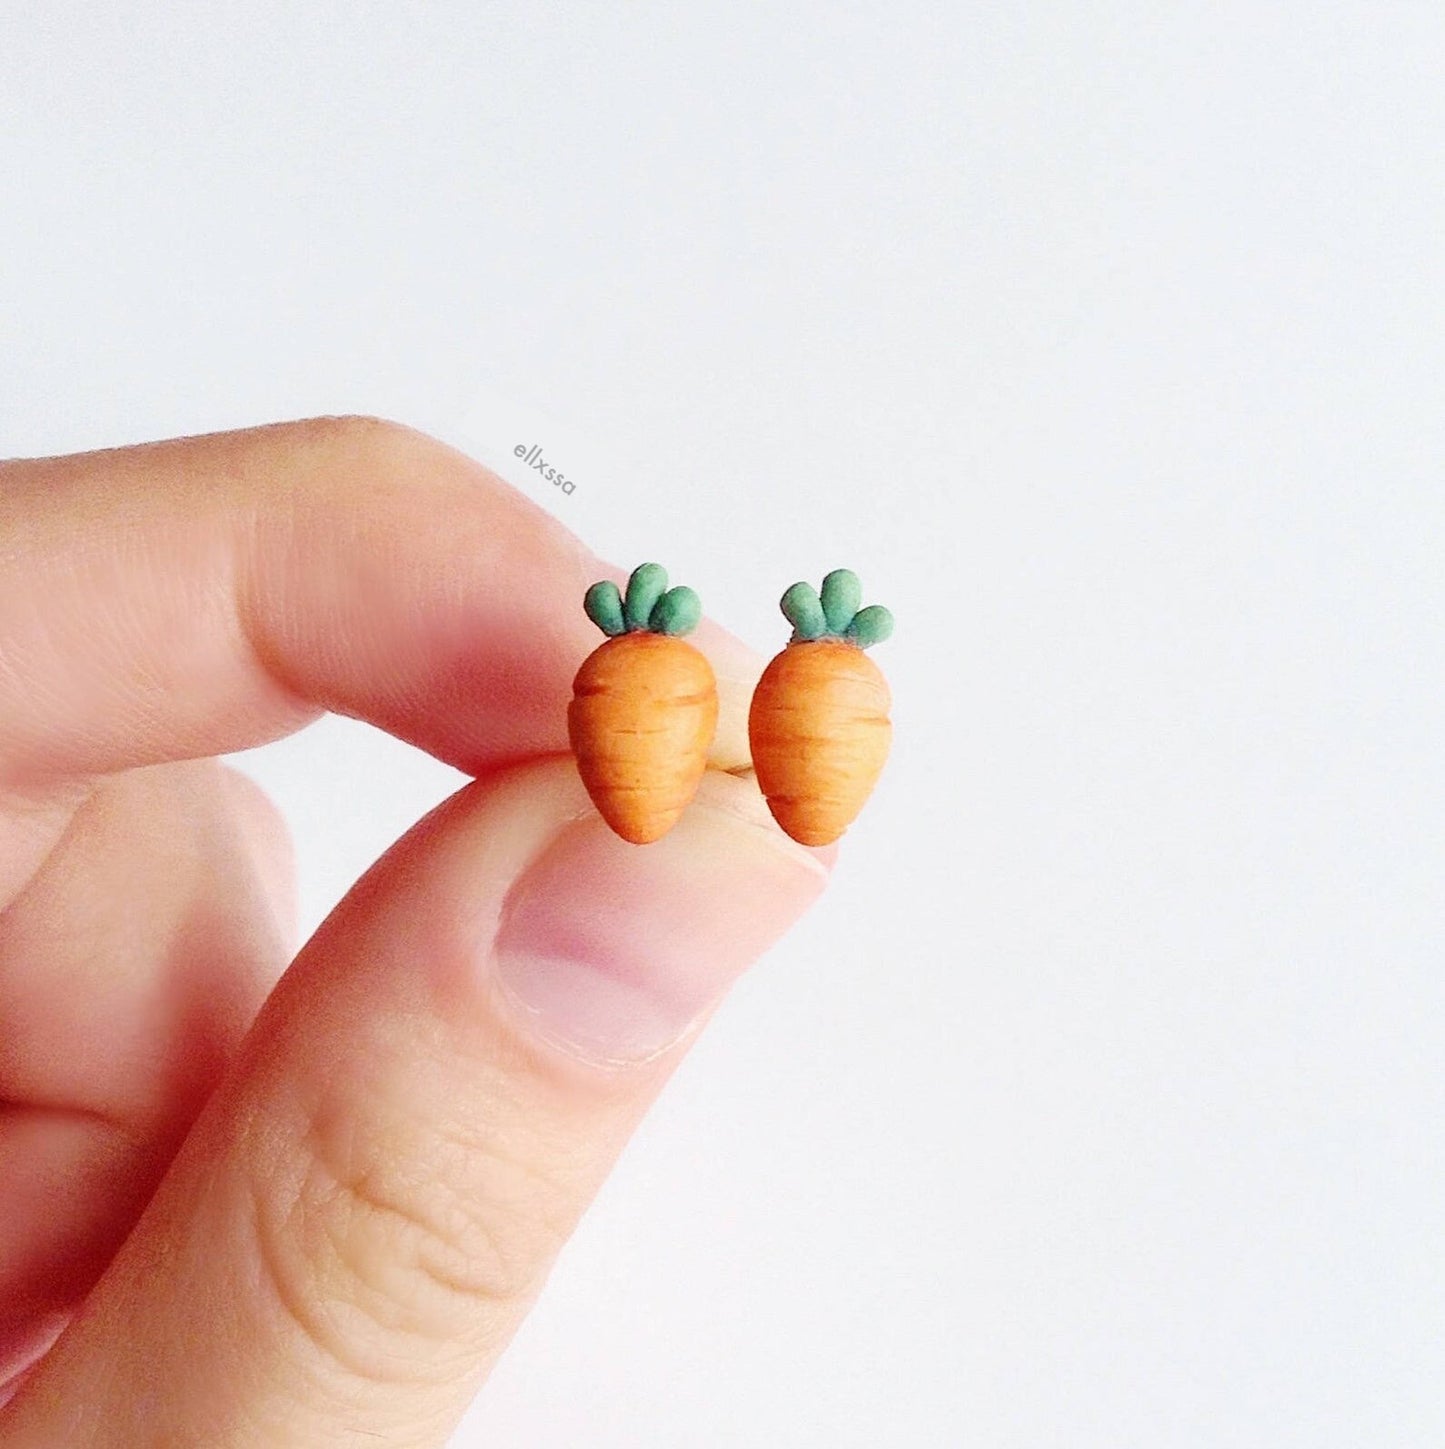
x=648, y=604
x=834, y=612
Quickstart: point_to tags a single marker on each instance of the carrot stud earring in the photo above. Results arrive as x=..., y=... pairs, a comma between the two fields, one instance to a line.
x=644, y=705
x=819, y=723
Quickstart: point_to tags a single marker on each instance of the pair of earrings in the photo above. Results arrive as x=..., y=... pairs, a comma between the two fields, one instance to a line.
x=645, y=707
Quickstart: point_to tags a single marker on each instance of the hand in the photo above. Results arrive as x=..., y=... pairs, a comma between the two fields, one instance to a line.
x=312, y=1209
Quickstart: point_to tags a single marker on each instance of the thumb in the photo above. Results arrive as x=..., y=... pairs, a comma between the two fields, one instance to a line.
x=425, y=1106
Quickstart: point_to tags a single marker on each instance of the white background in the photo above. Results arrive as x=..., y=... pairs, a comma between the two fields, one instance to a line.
x=1100, y=1103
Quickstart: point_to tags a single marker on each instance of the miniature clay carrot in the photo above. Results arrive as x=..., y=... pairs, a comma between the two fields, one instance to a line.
x=819, y=722
x=644, y=705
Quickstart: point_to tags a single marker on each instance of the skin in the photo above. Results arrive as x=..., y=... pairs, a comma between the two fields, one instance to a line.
x=270, y=1196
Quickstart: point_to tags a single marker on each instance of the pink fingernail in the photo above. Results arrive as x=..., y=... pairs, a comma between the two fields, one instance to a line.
x=22, y=1346
x=612, y=951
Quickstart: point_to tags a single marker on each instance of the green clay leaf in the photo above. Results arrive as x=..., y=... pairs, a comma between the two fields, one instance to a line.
x=646, y=586
x=676, y=612
x=870, y=626
x=841, y=596
x=804, y=612
x=603, y=603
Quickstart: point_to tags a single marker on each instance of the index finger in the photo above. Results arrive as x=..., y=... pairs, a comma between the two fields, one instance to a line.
x=208, y=594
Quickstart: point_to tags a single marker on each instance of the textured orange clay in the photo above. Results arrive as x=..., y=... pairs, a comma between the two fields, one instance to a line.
x=641, y=720
x=820, y=733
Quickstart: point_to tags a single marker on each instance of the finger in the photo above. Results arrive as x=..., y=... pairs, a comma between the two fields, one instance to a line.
x=143, y=947
x=201, y=596
x=426, y=1104
x=130, y=968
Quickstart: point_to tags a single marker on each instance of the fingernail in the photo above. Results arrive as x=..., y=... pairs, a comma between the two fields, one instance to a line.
x=22, y=1346
x=613, y=951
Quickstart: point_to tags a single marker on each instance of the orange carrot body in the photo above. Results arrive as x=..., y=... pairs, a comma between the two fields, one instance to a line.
x=642, y=716
x=820, y=735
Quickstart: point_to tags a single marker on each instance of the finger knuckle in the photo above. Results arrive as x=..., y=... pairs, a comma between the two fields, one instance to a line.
x=371, y=444
x=397, y=1246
